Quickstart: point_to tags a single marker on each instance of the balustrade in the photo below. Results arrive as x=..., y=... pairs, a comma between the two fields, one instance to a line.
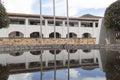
x=47, y=41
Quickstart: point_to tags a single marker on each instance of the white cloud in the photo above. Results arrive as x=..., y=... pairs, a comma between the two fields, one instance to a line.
x=27, y=76
x=75, y=6
x=19, y=6
x=90, y=4
x=94, y=78
x=74, y=74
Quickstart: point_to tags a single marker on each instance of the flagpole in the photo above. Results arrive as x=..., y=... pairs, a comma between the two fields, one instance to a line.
x=67, y=8
x=54, y=19
x=40, y=35
x=55, y=39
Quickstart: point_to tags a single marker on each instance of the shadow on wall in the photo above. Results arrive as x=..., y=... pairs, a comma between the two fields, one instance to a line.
x=102, y=38
x=107, y=36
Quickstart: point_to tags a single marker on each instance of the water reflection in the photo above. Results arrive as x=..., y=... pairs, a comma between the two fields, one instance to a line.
x=54, y=51
x=36, y=52
x=111, y=65
x=16, y=53
x=77, y=66
x=4, y=72
x=72, y=50
x=86, y=50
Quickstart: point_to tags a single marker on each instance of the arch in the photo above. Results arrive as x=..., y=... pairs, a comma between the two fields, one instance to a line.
x=86, y=35
x=86, y=50
x=89, y=68
x=52, y=35
x=53, y=51
x=36, y=52
x=16, y=53
x=16, y=34
x=72, y=35
x=72, y=50
x=35, y=35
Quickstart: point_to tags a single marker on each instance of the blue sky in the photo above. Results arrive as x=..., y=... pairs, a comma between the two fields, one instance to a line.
x=75, y=74
x=76, y=7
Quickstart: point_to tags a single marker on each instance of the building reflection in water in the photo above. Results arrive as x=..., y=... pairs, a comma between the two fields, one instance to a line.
x=54, y=60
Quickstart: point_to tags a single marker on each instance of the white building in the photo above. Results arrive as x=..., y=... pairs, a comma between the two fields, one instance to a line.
x=28, y=25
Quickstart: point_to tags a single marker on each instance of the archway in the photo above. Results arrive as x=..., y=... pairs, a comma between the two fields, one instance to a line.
x=16, y=53
x=72, y=50
x=54, y=51
x=52, y=35
x=35, y=35
x=86, y=35
x=36, y=52
x=16, y=34
x=86, y=50
x=72, y=35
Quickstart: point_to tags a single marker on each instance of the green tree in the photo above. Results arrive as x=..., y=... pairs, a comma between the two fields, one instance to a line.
x=4, y=72
x=4, y=19
x=112, y=16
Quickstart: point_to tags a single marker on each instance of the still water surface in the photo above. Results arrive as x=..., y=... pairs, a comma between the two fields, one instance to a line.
x=65, y=65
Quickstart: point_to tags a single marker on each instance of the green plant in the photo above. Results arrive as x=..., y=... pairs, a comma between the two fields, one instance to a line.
x=112, y=16
x=4, y=19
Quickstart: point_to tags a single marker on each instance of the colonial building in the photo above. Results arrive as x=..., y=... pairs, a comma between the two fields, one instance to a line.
x=28, y=26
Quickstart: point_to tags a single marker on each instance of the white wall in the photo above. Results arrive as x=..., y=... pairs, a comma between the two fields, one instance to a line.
x=46, y=30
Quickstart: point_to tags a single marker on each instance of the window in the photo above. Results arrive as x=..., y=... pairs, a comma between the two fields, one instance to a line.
x=86, y=24
x=51, y=23
x=59, y=23
x=72, y=24
x=36, y=22
x=17, y=21
x=96, y=24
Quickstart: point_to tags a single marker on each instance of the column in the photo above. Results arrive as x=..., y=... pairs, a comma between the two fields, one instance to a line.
x=63, y=28
x=93, y=29
x=26, y=26
x=46, y=25
x=79, y=26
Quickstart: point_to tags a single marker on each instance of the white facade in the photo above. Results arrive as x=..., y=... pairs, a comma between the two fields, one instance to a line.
x=79, y=29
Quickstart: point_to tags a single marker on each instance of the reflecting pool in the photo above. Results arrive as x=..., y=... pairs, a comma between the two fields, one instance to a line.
x=60, y=65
